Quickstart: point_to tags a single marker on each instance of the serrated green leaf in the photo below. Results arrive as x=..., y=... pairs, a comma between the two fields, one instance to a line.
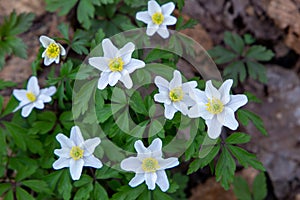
x=236, y=71
x=234, y=41
x=23, y=194
x=249, y=39
x=128, y=193
x=259, y=53
x=85, y=12
x=241, y=189
x=84, y=192
x=159, y=195
x=225, y=169
x=62, y=6
x=238, y=138
x=84, y=179
x=221, y=55
x=157, y=54
x=99, y=192
x=245, y=158
x=37, y=185
x=245, y=116
x=252, y=98
x=4, y=187
x=6, y=84
x=257, y=71
x=18, y=134
x=64, y=185
x=64, y=29
x=259, y=187
x=137, y=104
x=106, y=173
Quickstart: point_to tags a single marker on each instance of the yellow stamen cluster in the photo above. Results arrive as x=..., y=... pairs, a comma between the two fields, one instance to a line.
x=176, y=94
x=158, y=18
x=116, y=64
x=76, y=153
x=214, y=106
x=30, y=96
x=53, y=51
x=150, y=165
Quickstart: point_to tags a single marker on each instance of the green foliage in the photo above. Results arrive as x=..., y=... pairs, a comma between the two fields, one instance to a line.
x=10, y=43
x=240, y=59
x=243, y=192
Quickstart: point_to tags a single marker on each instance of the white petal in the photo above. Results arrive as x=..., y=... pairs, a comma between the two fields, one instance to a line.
x=39, y=104
x=162, y=84
x=21, y=105
x=168, y=163
x=151, y=29
x=113, y=78
x=198, y=96
x=126, y=52
x=199, y=110
x=48, y=61
x=64, y=141
x=169, y=20
x=189, y=86
x=49, y=91
x=131, y=164
x=46, y=41
x=144, y=17
x=26, y=110
x=167, y=8
x=33, y=86
x=180, y=106
x=156, y=145
x=134, y=64
x=162, y=180
x=92, y=161
x=163, y=31
x=100, y=63
x=214, y=127
x=103, y=80
x=89, y=145
x=225, y=91
x=20, y=94
x=162, y=97
x=153, y=7
x=62, y=49
x=169, y=111
x=211, y=91
x=126, y=80
x=237, y=101
x=44, y=98
x=150, y=179
x=227, y=118
x=140, y=148
x=137, y=180
x=76, y=136
x=76, y=168
x=188, y=100
x=63, y=152
x=176, y=81
x=61, y=163
x=110, y=51
x=57, y=60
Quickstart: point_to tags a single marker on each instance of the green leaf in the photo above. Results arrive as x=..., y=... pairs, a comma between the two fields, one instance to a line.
x=99, y=192
x=23, y=194
x=137, y=104
x=84, y=192
x=236, y=71
x=221, y=55
x=4, y=187
x=80, y=42
x=155, y=128
x=85, y=12
x=6, y=84
x=157, y=54
x=64, y=186
x=37, y=185
x=260, y=53
x=104, y=113
x=159, y=195
x=62, y=6
x=241, y=189
x=128, y=193
x=84, y=180
x=245, y=158
x=18, y=134
x=9, y=195
x=259, y=187
x=245, y=116
x=252, y=98
x=249, y=39
x=225, y=169
x=257, y=71
x=64, y=29
x=238, y=138
x=234, y=41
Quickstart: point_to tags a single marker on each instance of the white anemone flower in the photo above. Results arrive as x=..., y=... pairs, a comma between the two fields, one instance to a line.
x=33, y=97
x=76, y=153
x=116, y=64
x=174, y=95
x=149, y=165
x=53, y=50
x=217, y=107
x=157, y=18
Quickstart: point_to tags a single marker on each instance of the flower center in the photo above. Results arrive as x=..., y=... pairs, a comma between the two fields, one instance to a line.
x=214, y=106
x=176, y=94
x=76, y=152
x=158, y=18
x=116, y=64
x=30, y=96
x=150, y=165
x=52, y=50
